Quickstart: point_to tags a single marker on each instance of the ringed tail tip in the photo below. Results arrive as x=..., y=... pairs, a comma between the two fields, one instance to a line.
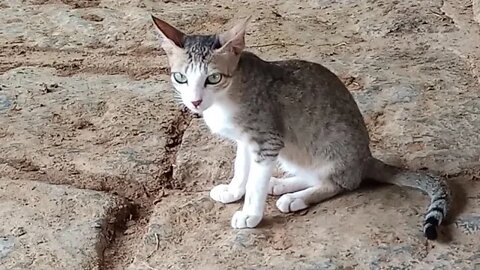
x=430, y=228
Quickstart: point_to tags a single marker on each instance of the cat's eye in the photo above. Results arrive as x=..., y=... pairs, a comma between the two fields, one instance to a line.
x=214, y=78
x=179, y=77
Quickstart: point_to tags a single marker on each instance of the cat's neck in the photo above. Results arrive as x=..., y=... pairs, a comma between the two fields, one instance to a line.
x=219, y=118
x=247, y=58
x=251, y=63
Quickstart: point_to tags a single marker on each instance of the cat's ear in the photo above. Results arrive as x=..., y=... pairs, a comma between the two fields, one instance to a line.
x=171, y=36
x=233, y=40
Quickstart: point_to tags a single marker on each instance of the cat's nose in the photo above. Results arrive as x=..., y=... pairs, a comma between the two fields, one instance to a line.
x=197, y=103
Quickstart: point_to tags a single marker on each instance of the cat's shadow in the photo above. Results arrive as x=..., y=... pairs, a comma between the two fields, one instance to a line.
x=459, y=201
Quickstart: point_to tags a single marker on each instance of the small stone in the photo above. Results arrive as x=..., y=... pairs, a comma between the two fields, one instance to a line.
x=129, y=231
x=18, y=231
x=97, y=224
x=131, y=223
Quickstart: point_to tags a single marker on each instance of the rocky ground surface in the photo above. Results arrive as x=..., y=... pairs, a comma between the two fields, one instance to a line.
x=100, y=168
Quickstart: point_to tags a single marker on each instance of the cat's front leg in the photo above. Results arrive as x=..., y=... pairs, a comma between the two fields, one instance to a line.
x=261, y=168
x=235, y=190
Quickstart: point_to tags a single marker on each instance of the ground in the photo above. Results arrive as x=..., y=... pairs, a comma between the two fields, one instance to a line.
x=101, y=168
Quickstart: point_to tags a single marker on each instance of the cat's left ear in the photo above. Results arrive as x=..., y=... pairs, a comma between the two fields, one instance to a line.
x=171, y=36
x=233, y=40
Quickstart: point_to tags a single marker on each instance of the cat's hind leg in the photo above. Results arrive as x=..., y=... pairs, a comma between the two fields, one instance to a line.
x=301, y=180
x=323, y=190
x=280, y=186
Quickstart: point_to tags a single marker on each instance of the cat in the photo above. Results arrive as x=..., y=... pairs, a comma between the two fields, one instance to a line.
x=293, y=112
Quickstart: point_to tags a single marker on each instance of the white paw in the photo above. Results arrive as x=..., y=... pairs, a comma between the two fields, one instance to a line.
x=287, y=203
x=241, y=220
x=226, y=194
x=277, y=186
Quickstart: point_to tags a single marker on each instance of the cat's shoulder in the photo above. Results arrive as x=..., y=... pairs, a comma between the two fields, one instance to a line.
x=287, y=65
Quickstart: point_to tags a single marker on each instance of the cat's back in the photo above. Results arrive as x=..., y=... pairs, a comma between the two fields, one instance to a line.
x=309, y=85
x=293, y=78
x=306, y=95
x=311, y=75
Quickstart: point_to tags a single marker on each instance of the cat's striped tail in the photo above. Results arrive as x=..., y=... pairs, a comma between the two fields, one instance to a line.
x=436, y=187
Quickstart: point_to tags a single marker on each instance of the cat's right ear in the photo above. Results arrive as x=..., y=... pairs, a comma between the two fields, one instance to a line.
x=233, y=40
x=171, y=37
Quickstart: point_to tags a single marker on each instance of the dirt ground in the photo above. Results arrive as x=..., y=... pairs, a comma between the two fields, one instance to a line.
x=85, y=102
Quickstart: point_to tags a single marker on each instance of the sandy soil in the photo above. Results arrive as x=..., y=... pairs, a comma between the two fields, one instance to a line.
x=85, y=101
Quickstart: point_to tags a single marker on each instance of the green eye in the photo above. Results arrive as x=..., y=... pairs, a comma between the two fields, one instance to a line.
x=214, y=78
x=180, y=78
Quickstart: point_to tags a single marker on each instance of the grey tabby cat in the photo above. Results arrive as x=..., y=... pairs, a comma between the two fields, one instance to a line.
x=294, y=112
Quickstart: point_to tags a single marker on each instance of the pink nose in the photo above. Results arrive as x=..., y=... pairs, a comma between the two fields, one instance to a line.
x=197, y=103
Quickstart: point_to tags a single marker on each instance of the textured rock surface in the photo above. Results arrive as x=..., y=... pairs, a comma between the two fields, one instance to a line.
x=85, y=101
x=52, y=227
x=476, y=10
x=203, y=160
x=93, y=131
x=368, y=229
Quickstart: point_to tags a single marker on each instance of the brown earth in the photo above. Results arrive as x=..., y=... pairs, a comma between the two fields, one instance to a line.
x=85, y=103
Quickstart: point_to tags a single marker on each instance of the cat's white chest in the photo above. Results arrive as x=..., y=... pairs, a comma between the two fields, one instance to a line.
x=219, y=120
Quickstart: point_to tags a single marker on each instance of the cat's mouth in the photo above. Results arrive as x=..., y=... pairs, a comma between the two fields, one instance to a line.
x=196, y=110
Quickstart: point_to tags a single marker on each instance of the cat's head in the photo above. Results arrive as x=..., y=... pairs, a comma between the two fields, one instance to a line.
x=201, y=65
